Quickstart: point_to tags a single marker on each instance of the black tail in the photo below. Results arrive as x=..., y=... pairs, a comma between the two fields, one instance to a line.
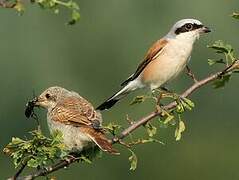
x=115, y=98
x=107, y=104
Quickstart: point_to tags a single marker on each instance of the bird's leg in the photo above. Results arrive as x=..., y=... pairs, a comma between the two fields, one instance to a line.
x=190, y=74
x=158, y=105
x=172, y=95
x=177, y=98
x=157, y=95
x=164, y=92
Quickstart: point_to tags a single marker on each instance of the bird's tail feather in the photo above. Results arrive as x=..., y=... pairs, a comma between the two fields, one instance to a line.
x=114, y=99
x=100, y=140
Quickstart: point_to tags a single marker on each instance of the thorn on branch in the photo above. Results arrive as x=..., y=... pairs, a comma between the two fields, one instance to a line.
x=129, y=120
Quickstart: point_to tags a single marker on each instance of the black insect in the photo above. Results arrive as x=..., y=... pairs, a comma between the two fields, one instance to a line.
x=29, y=111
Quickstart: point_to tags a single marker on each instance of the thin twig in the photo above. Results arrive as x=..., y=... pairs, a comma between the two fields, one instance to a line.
x=129, y=120
x=191, y=74
x=19, y=171
x=140, y=122
x=49, y=169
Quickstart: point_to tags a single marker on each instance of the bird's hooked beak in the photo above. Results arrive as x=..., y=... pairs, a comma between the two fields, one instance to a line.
x=41, y=102
x=38, y=101
x=205, y=29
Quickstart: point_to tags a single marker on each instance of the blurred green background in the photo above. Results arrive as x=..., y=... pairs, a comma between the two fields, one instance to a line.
x=93, y=57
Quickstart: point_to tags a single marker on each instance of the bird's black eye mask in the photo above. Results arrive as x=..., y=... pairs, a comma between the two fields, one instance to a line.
x=188, y=27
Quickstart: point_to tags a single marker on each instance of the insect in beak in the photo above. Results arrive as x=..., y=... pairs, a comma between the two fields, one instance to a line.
x=29, y=111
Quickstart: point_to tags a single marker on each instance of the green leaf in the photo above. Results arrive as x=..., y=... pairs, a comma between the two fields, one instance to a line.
x=187, y=103
x=75, y=16
x=168, y=118
x=162, y=124
x=235, y=15
x=133, y=161
x=219, y=83
x=112, y=128
x=85, y=159
x=33, y=163
x=73, y=5
x=55, y=5
x=179, y=108
x=213, y=62
x=56, y=11
x=137, y=100
x=178, y=132
x=152, y=140
x=16, y=141
x=220, y=47
x=151, y=130
x=19, y=7
x=37, y=151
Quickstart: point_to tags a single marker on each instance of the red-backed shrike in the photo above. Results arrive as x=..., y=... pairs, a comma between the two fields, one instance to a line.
x=75, y=118
x=164, y=60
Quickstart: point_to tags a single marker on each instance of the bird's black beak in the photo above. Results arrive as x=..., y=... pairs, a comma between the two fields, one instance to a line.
x=206, y=29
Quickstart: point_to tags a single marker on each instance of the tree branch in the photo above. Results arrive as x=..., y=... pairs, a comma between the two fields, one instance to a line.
x=19, y=171
x=140, y=122
x=186, y=93
x=47, y=170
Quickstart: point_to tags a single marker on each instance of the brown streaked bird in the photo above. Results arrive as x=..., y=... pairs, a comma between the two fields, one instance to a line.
x=75, y=117
x=164, y=60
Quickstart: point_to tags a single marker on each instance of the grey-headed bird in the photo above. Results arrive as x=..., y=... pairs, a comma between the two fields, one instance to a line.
x=164, y=60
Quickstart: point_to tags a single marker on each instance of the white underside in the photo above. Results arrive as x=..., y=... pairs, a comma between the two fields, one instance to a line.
x=169, y=63
x=73, y=138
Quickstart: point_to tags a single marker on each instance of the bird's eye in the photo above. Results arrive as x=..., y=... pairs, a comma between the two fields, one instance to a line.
x=189, y=26
x=47, y=96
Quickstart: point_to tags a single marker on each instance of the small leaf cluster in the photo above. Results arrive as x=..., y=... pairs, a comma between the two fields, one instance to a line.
x=133, y=161
x=138, y=99
x=151, y=131
x=221, y=47
x=235, y=15
x=166, y=118
x=53, y=5
x=36, y=152
x=175, y=116
x=112, y=128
